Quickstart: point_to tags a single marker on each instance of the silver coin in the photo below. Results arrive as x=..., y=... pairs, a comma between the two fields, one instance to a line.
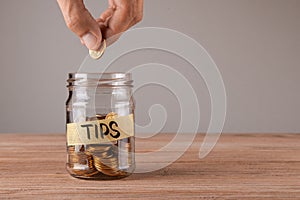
x=98, y=54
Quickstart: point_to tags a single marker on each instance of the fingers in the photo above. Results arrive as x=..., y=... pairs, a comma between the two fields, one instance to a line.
x=139, y=12
x=120, y=16
x=107, y=14
x=126, y=13
x=80, y=21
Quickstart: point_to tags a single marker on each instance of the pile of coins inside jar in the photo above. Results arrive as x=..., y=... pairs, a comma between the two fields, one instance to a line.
x=101, y=160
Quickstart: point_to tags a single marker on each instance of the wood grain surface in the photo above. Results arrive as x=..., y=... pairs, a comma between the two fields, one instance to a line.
x=241, y=166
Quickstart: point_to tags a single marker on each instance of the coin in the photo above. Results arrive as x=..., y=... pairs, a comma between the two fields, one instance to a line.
x=111, y=115
x=95, y=118
x=98, y=148
x=97, y=54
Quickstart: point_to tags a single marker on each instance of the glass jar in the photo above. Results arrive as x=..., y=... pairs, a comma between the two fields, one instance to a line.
x=100, y=125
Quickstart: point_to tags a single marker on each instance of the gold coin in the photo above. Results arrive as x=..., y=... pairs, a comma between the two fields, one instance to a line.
x=111, y=115
x=98, y=148
x=95, y=118
x=86, y=173
x=97, y=54
x=109, y=167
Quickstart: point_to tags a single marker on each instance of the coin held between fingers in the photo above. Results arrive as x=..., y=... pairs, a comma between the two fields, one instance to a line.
x=98, y=54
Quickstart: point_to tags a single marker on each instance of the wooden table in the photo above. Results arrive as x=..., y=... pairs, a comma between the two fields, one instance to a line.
x=241, y=166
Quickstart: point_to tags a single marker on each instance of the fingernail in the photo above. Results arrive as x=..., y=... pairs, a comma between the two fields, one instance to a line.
x=89, y=41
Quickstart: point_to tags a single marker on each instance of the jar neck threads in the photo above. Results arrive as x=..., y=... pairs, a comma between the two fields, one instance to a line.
x=99, y=80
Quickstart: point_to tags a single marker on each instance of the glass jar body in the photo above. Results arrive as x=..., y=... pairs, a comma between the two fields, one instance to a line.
x=100, y=107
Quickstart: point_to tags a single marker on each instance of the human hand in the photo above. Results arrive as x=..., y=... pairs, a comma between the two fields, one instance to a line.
x=117, y=18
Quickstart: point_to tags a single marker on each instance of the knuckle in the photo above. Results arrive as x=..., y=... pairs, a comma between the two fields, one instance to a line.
x=138, y=18
x=116, y=29
x=76, y=21
x=73, y=23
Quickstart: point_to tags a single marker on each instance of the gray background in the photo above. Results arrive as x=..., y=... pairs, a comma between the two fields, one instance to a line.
x=255, y=43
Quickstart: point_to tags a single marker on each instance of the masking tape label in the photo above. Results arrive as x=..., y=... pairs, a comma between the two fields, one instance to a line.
x=100, y=131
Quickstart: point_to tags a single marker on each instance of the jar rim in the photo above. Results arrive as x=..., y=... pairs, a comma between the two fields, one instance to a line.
x=101, y=75
x=97, y=79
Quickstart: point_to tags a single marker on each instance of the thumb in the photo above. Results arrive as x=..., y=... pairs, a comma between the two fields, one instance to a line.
x=80, y=21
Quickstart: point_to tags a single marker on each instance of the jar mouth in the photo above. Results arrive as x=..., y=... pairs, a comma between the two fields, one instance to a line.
x=113, y=79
